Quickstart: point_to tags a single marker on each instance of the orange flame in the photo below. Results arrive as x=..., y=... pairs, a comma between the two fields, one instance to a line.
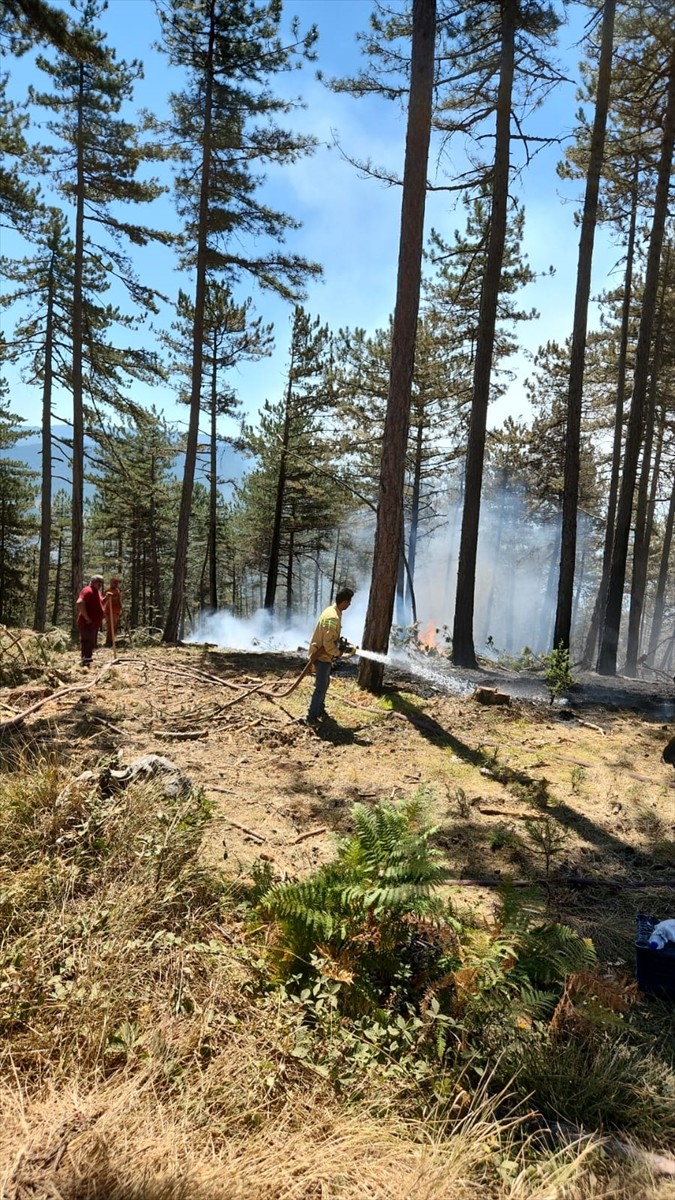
x=426, y=637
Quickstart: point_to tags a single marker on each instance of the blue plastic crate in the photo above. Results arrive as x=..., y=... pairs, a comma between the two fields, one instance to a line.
x=654, y=969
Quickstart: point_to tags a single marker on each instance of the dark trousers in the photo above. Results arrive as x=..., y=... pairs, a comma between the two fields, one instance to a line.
x=321, y=681
x=88, y=641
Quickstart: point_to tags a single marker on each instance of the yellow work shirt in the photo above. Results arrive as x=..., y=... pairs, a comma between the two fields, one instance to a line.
x=324, y=644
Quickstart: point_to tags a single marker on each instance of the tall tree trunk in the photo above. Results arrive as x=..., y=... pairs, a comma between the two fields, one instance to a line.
x=610, y=635
x=497, y=551
x=2, y=558
x=568, y=543
x=155, y=573
x=641, y=538
x=544, y=630
x=463, y=652
x=404, y=332
x=57, y=581
x=415, y=503
x=275, y=543
x=77, y=535
x=601, y=598
x=213, y=488
x=289, y=573
x=333, y=582
x=42, y=595
x=135, y=576
x=660, y=597
x=400, y=581
x=176, y=602
x=653, y=498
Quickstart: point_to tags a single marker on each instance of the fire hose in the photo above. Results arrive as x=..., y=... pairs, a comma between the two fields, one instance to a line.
x=346, y=651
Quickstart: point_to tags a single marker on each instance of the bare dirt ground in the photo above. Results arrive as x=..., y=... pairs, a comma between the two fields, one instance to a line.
x=587, y=773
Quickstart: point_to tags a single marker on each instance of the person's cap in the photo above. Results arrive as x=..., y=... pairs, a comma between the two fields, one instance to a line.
x=97, y=579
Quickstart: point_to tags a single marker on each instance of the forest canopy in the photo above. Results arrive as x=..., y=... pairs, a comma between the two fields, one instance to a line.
x=154, y=258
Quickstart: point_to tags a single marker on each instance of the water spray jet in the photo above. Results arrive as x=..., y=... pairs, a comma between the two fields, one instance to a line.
x=372, y=655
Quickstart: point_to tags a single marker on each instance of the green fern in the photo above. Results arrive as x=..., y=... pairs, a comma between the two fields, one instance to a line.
x=364, y=904
x=549, y=953
x=376, y=913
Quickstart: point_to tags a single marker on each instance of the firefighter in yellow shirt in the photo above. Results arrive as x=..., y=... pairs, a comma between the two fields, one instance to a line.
x=324, y=648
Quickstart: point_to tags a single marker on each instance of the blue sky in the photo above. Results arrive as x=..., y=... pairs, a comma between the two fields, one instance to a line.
x=350, y=224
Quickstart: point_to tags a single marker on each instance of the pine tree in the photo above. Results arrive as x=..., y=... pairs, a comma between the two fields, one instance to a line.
x=607, y=658
x=500, y=35
x=41, y=341
x=25, y=22
x=132, y=515
x=563, y=621
x=17, y=521
x=296, y=456
x=18, y=200
x=231, y=336
x=95, y=160
x=223, y=128
x=389, y=525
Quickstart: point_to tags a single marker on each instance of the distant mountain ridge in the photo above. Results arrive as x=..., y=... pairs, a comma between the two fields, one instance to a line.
x=231, y=464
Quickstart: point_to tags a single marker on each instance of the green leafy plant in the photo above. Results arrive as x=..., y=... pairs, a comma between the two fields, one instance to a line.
x=371, y=912
x=374, y=922
x=577, y=779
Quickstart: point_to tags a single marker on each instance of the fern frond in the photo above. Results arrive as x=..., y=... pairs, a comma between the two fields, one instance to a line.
x=550, y=952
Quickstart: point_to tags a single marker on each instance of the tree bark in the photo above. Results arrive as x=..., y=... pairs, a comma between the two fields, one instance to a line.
x=275, y=543
x=77, y=513
x=213, y=486
x=176, y=601
x=42, y=594
x=641, y=537
x=463, y=652
x=601, y=598
x=609, y=644
x=415, y=502
x=568, y=543
x=660, y=597
x=395, y=437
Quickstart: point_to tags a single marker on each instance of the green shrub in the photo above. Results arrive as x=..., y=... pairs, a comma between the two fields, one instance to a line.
x=374, y=921
x=558, y=671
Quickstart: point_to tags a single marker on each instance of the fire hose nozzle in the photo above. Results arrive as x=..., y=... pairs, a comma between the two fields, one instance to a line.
x=346, y=648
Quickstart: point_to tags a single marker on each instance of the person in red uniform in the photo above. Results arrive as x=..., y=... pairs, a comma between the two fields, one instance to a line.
x=90, y=615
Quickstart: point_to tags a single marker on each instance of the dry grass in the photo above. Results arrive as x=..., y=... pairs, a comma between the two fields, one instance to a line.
x=143, y=1057
x=120, y=1141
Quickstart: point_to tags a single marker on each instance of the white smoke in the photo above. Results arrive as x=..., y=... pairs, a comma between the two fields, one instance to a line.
x=515, y=597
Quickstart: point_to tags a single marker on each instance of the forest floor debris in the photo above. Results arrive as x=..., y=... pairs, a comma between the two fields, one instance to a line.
x=526, y=791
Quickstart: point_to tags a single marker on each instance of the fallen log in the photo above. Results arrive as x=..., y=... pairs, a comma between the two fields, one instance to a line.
x=180, y=735
x=509, y=812
x=485, y=695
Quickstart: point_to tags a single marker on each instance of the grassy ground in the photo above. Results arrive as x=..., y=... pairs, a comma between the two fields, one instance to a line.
x=150, y=1047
